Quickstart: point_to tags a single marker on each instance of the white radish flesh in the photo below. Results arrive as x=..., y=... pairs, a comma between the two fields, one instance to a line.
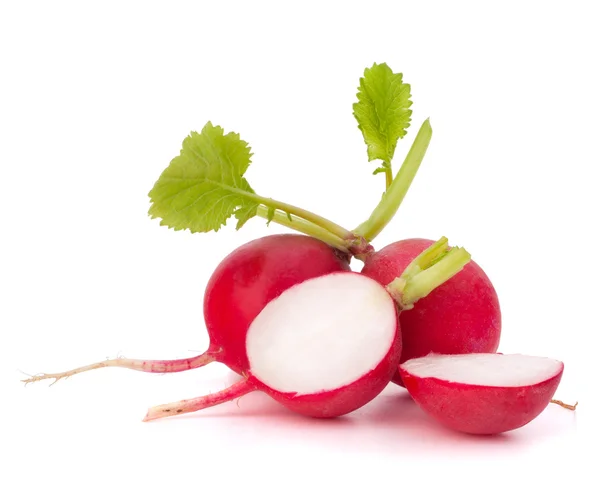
x=322, y=334
x=485, y=369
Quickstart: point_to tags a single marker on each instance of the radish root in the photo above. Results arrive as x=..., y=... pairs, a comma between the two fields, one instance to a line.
x=238, y=390
x=154, y=366
x=570, y=407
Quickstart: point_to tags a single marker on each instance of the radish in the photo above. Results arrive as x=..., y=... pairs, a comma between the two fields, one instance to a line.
x=323, y=348
x=460, y=316
x=482, y=393
x=239, y=288
x=330, y=344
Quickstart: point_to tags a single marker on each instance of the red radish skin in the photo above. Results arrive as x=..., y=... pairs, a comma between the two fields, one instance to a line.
x=481, y=409
x=239, y=288
x=460, y=316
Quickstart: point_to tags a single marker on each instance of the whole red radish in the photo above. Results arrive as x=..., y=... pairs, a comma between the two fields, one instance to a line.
x=239, y=288
x=482, y=393
x=330, y=344
x=460, y=316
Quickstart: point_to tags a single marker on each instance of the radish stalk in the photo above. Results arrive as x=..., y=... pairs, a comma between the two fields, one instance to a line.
x=434, y=266
x=302, y=226
x=394, y=195
x=313, y=218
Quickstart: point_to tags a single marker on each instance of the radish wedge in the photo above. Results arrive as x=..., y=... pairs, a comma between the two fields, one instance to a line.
x=482, y=393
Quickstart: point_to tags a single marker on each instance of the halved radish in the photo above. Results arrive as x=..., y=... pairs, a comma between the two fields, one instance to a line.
x=323, y=348
x=482, y=393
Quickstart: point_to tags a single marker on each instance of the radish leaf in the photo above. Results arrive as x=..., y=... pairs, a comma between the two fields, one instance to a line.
x=382, y=111
x=203, y=186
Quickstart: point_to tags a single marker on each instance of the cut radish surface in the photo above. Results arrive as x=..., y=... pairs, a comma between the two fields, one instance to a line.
x=323, y=348
x=322, y=334
x=482, y=393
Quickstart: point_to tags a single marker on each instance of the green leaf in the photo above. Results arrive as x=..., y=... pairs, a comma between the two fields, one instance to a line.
x=203, y=186
x=382, y=110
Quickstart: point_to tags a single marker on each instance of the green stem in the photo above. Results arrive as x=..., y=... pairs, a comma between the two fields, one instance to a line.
x=391, y=200
x=426, y=258
x=306, y=227
x=324, y=223
x=430, y=269
x=425, y=282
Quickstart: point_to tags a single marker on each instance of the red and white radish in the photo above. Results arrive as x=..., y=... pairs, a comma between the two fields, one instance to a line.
x=482, y=393
x=238, y=289
x=460, y=316
x=323, y=348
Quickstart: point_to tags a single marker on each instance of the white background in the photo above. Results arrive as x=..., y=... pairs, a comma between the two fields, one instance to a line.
x=95, y=100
